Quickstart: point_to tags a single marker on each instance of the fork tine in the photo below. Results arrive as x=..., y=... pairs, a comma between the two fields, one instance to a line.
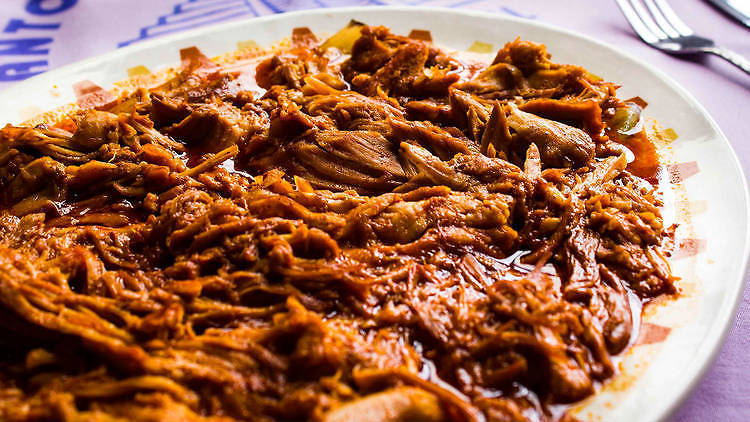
x=636, y=23
x=673, y=19
x=648, y=20
x=663, y=23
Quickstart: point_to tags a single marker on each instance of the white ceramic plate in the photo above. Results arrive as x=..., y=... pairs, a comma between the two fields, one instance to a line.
x=710, y=205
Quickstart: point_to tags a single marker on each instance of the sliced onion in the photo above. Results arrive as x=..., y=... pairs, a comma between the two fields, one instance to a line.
x=627, y=120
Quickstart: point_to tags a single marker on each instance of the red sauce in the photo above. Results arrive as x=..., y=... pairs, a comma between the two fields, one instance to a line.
x=646, y=162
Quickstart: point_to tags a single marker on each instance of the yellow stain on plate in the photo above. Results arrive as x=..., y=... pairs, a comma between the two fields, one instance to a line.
x=28, y=113
x=249, y=44
x=666, y=136
x=697, y=206
x=138, y=70
x=481, y=47
x=686, y=209
x=670, y=134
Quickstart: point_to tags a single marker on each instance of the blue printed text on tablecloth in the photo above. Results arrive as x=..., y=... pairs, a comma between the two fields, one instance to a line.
x=25, y=39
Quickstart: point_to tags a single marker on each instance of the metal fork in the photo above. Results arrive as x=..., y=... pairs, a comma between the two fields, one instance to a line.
x=658, y=25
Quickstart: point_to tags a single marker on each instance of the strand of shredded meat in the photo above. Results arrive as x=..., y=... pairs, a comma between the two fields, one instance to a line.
x=394, y=234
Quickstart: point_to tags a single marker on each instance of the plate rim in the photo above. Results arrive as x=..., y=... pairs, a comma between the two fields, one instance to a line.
x=706, y=353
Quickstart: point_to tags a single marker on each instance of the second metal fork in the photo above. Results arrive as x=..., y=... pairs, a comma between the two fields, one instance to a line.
x=658, y=25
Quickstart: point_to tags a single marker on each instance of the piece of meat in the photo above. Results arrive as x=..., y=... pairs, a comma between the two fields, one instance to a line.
x=351, y=110
x=211, y=127
x=400, y=404
x=371, y=50
x=500, y=79
x=469, y=112
x=95, y=128
x=428, y=110
x=560, y=145
x=44, y=177
x=362, y=148
x=398, y=74
x=586, y=115
x=497, y=134
x=166, y=111
x=432, y=168
x=524, y=55
x=406, y=221
x=384, y=64
x=445, y=144
x=286, y=70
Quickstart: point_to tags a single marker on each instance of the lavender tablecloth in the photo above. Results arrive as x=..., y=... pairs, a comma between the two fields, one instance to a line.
x=38, y=35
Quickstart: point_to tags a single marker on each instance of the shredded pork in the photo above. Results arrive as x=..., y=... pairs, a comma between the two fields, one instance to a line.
x=398, y=234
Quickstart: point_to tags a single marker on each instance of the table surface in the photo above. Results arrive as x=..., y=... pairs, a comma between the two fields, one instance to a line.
x=47, y=27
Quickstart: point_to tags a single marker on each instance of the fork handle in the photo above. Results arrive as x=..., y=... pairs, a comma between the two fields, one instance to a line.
x=731, y=57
